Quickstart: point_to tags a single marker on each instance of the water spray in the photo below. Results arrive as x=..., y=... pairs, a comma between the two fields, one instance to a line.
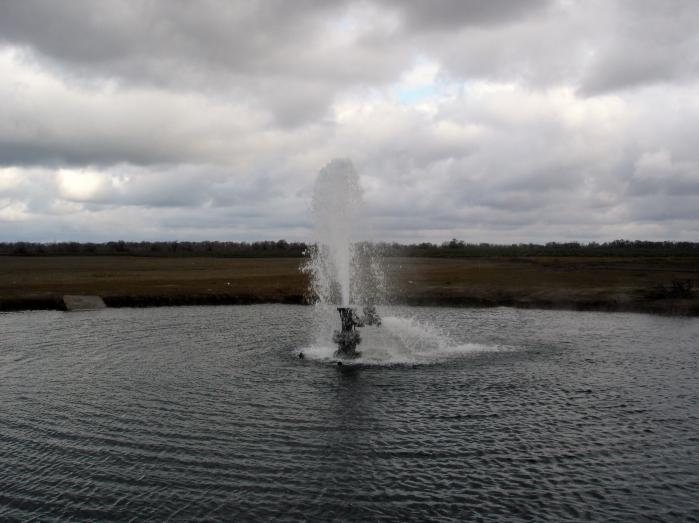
x=344, y=271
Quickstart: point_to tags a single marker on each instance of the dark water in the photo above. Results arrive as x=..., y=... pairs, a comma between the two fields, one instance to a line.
x=206, y=413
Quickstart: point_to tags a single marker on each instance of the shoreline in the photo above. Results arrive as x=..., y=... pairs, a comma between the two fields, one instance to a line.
x=667, y=286
x=669, y=307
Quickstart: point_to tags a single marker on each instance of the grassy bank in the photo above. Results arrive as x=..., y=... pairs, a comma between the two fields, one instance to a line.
x=32, y=282
x=647, y=284
x=657, y=285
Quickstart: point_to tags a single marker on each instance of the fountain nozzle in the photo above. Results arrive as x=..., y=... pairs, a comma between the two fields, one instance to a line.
x=348, y=338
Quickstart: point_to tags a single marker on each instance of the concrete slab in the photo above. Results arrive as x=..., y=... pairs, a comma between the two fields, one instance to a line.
x=83, y=303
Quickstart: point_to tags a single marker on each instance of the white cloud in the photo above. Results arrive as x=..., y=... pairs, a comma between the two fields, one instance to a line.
x=79, y=184
x=9, y=178
x=13, y=211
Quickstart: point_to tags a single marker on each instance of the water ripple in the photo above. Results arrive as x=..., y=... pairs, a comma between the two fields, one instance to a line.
x=206, y=413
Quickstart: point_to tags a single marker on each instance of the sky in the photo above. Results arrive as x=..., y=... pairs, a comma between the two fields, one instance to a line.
x=501, y=121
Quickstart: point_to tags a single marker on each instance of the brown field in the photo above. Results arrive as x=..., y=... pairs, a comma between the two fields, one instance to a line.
x=638, y=284
x=635, y=284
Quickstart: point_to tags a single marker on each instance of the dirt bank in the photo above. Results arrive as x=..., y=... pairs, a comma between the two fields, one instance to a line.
x=655, y=285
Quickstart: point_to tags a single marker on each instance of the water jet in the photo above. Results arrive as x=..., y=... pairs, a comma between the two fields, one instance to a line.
x=345, y=273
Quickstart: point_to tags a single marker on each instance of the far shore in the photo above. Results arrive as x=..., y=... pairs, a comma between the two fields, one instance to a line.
x=658, y=285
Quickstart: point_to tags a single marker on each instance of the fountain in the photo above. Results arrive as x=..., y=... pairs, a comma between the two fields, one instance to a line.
x=346, y=277
x=344, y=272
x=348, y=337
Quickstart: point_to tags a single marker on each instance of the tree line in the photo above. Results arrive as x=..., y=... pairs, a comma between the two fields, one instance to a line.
x=156, y=248
x=459, y=248
x=283, y=248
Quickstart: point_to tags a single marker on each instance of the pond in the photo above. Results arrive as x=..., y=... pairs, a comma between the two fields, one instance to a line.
x=451, y=414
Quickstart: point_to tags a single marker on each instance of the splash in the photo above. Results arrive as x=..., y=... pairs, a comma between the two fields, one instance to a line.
x=403, y=341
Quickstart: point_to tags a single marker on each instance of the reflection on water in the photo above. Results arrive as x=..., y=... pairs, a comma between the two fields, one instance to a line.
x=207, y=413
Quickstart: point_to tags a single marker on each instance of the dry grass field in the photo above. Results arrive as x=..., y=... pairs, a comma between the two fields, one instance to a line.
x=644, y=284
x=566, y=282
x=127, y=280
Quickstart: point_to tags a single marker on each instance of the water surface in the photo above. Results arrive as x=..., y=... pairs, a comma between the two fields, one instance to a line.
x=207, y=413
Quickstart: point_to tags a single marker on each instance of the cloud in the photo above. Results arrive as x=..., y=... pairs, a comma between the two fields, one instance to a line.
x=454, y=14
x=502, y=121
x=645, y=43
x=656, y=173
x=79, y=185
